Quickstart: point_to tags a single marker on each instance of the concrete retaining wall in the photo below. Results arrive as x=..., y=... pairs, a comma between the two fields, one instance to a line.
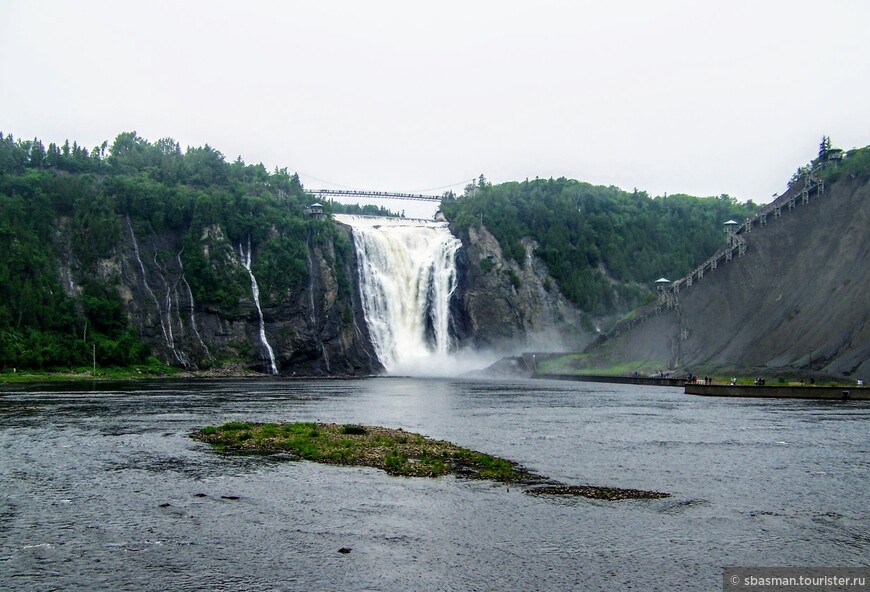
x=860, y=393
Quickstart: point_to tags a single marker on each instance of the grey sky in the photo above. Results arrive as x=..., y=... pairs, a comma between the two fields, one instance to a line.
x=696, y=97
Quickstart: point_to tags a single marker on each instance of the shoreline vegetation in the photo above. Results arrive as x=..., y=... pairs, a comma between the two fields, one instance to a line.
x=395, y=451
x=159, y=371
x=138, y=372
x=232, y=371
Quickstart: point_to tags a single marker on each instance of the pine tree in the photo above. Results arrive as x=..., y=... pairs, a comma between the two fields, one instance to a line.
x=824, y=147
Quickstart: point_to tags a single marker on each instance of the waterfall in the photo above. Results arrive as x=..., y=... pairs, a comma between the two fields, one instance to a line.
x=167, y=333
x=312, y=309
x=407, y=276
x=192, y=304
x=255, y=290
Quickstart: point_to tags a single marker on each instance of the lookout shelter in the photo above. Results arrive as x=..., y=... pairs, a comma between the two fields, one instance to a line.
x=315, y=211
x=662, y=283
x=731, y=227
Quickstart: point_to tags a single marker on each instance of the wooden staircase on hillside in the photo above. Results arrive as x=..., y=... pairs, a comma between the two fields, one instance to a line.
x=737, y=244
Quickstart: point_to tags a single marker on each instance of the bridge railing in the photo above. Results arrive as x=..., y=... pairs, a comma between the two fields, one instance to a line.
x=374, y=194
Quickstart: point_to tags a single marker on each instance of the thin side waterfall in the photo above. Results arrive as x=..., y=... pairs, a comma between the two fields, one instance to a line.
x=192, y=305
x=312, y=310
x=255, y=290
x=167, y=334
x=407, y=275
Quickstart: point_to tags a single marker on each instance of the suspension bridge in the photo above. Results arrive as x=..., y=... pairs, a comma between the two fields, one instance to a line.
x=372, y=194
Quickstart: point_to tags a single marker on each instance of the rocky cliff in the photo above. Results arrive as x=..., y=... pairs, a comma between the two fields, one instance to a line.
x=141, y=249
x=317, y=325
x=315, y=328
x=502, y=305
x=789, y=297
x=147, y=250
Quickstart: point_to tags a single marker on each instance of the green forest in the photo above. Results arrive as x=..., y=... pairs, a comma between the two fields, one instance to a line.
x=591, y=235
x=157, y=189
x=604, y=246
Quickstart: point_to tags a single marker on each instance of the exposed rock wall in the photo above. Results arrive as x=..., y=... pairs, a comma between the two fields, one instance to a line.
x=316, y=328
x=502, y=305
x=796, y=301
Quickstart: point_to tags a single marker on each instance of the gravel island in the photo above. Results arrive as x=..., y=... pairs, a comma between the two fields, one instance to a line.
x=395, y=451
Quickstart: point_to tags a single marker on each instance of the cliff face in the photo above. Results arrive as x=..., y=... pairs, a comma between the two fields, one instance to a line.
x=796, y=301
x=502, y=305
x=317, y=328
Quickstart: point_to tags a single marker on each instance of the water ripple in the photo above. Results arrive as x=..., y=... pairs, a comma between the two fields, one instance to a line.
x=103, y=489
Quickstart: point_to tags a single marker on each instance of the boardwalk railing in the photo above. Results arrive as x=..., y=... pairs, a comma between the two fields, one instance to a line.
x=668, y=300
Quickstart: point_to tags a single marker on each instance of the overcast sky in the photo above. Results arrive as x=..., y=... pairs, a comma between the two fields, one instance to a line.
x=697, y=97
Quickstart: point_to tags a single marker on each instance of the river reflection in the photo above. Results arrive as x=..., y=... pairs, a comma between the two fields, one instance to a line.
x=102, y=489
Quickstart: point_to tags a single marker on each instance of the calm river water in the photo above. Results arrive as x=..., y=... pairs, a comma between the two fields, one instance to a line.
x=102, y=488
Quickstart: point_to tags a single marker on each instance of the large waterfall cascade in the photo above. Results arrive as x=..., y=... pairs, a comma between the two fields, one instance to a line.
x=407, y=274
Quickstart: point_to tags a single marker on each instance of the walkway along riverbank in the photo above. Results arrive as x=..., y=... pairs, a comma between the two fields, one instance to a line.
x=642, y=380
x=839, y=393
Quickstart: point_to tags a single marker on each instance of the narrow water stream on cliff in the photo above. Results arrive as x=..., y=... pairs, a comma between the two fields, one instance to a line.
x=245, y=257
x=102, y=489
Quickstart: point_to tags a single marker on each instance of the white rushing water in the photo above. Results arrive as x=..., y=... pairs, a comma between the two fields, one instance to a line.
x=407, y=275
x=255, y=290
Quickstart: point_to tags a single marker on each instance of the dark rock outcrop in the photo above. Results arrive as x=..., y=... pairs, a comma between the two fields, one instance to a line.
x=316, y=328
x=500, y=304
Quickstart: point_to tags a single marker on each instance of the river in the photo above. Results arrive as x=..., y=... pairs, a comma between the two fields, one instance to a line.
x=102, y=488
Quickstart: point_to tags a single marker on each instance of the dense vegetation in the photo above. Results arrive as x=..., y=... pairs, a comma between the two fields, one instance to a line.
x=590, y=235
x=833, y=163
x=153, y=189
x=64, y=211
x=334, y=207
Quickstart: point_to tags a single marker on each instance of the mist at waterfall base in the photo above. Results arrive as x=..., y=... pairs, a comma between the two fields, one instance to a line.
x=444, y=365
x=407, y=276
